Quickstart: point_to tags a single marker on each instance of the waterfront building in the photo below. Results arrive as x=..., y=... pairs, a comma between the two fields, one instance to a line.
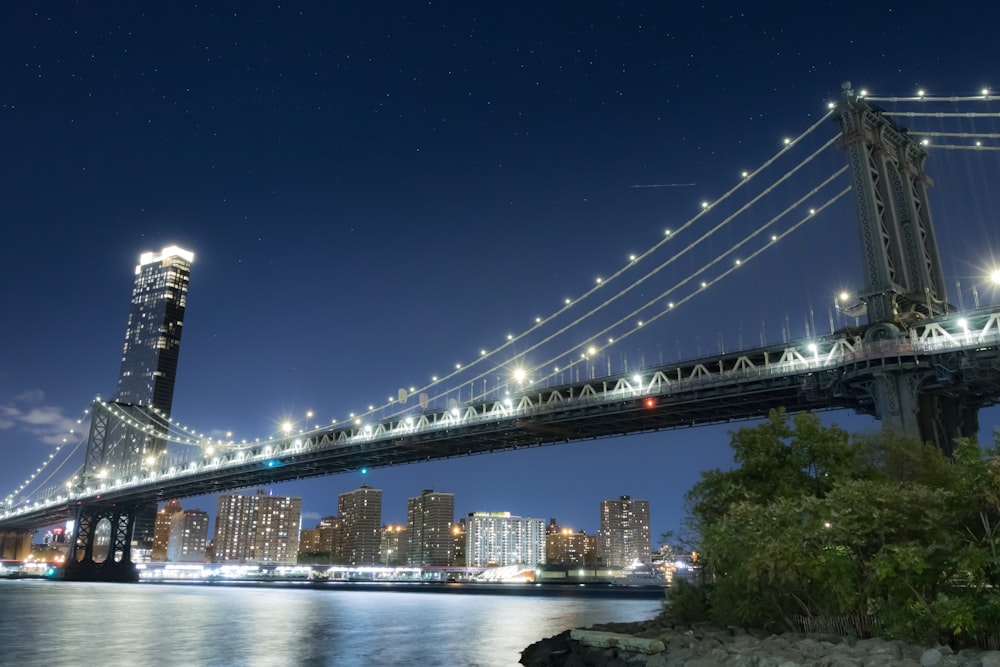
x=500, y=539
x=188, y=537
x=458, y=543
x=161, y=530
x=308, y=541
x=361, y=520
x=429, y=517
x=565, y=547
x=624, y=536
x=257, y=529
x=393, y=547
x=325, y=542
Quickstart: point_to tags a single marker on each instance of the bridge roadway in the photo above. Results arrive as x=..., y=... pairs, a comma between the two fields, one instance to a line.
x=955, y=353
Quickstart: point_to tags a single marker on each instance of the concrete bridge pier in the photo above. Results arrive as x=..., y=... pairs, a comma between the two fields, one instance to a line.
x=102, y=544
x=15, y=544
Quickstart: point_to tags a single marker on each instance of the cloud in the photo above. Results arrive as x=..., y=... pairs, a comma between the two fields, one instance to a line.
x=46, y=423
x=31, y=396
x=310, y=516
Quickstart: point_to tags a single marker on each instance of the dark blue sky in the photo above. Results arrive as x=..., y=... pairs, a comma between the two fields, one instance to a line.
x=376, y=192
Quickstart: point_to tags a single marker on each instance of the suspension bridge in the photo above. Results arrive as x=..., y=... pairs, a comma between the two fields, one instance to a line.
x=898, y=350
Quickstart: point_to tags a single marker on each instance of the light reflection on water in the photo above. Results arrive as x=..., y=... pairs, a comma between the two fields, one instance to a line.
x=79, y=624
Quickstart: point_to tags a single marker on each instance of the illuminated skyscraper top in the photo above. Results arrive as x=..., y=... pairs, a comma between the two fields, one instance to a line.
x=153, y=336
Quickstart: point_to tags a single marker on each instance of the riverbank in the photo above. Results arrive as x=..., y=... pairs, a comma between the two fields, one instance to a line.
x=659, y=644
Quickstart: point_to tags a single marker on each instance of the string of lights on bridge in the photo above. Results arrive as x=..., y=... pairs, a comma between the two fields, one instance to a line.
x=170, y=431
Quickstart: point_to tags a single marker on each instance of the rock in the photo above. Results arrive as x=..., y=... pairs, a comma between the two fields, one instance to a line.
x=629, y=643
x=879, y=646
x=990, y=658
x=548, y=652
x=931, y=658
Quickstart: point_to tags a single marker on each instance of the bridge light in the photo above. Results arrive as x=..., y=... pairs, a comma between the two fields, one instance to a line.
x=364, y=471
x=637, y=379
x=995, y=277
x=519, y=375
x=650, y=403
x=921, y=93
x=964, y=323
x=844, y=296
x=985, y=92
x=813, y=348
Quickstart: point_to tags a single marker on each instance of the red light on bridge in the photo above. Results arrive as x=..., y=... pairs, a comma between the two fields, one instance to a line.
x=650, y=402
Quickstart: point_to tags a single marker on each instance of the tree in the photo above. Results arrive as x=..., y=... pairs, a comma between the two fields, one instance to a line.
x=812, y=522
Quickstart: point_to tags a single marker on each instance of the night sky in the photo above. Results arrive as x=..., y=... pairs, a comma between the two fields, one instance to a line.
x=375, y=192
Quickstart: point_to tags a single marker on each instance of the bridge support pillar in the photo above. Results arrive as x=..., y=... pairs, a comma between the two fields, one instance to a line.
x=15, y=545
x=101, y=544
x=936, y=417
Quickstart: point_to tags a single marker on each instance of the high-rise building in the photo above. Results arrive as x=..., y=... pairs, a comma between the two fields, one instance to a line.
x=257, y=529
x=497, y=538
x=155, y=323
x=564, y=547
x=429, y=517
x=624, y=534
x=458, y=543
x=325, y=541
x=393, y=548
x=361, y=518
x=161, y=532
x=188, y=537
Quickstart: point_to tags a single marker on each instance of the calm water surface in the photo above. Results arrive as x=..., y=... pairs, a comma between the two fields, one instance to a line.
x=65, y=623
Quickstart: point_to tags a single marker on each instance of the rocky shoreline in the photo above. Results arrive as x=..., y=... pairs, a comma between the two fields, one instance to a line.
x=658, y=644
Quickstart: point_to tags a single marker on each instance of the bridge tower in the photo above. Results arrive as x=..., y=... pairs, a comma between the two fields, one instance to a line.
x=903, y=282
x=124, y=436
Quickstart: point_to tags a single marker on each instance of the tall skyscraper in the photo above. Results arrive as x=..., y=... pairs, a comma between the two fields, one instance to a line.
x=624, y=534
x=497, y=538
x=361, y=517
x=155, y=323
x=161, y=533
x=188, y=537
x=257, y=529
x=429, y=517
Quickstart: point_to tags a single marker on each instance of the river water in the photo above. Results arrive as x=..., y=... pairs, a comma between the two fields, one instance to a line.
x=55, y=623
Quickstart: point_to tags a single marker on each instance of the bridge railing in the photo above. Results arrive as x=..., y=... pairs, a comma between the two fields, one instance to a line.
x=954, y=334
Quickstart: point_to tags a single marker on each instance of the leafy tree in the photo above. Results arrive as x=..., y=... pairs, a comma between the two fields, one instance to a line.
x=812, y=522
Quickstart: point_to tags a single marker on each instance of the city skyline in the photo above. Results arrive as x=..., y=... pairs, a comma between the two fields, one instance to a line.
x=374, y=196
